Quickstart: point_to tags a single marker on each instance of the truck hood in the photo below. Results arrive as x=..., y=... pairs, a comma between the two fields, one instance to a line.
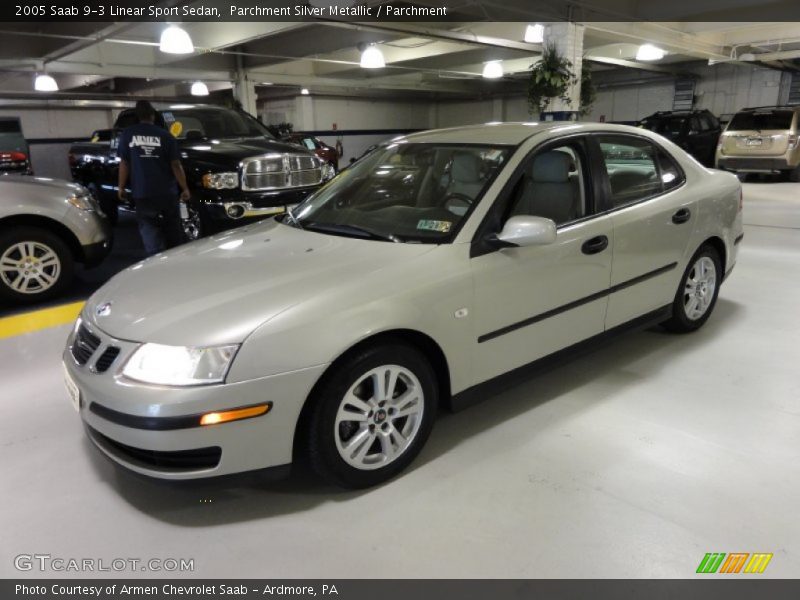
x=229, y=152
x=220, y=289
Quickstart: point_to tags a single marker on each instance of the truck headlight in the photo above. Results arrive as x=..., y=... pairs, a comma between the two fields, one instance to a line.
x=179, y=365
x=221, y=181
x=328, y=172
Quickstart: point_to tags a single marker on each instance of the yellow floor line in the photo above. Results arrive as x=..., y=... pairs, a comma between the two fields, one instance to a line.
x=39, y=319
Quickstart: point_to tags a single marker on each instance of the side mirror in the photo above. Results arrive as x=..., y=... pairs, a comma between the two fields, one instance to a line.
x=524, y=230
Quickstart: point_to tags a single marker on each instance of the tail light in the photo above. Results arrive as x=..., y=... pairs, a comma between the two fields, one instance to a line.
x=13, y=156
x=793, y=139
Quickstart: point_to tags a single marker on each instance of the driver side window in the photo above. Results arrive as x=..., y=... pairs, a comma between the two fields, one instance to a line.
x=552, y=185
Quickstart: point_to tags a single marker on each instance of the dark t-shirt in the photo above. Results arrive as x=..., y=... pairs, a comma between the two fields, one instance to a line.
x=149, y=151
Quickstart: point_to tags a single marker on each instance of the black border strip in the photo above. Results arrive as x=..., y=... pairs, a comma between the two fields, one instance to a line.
x=575, y=304
x=738, y=239
x=163, y=423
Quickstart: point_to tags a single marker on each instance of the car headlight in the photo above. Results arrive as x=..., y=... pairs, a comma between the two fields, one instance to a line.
x=179, y=365
x=221, y=181
x=82, y=202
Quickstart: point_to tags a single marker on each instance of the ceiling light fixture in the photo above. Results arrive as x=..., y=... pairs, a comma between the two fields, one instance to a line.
x=650, y=52
x=45, y=83
x=305, y=92
x=747, y=56
x=534, y=34
x=199, y=89
x=372, y=58
x=493, y=70
x=175, y=40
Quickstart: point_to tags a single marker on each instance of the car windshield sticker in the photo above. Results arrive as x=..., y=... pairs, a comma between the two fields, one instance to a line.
x=95, y=138
x=176, y=128
x=168, y=117
x=428, y=225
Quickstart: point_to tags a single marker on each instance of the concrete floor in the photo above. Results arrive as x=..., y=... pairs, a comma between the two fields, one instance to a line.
x=633, y=461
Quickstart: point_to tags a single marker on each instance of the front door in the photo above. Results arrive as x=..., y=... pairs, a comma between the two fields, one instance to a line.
x=532, y=301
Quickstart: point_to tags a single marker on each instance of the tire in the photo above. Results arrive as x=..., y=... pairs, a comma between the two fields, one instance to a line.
x=46, y=258
x=689, y=311
x=388, y=443
x=794, y=175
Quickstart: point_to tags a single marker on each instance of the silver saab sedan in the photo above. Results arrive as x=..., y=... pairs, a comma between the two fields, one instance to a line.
x=438, y=266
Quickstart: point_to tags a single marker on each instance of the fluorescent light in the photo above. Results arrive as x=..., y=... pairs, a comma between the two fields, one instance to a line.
x=305, y=92
x=534, y=34
x=493, y=70
x=649, y=52
x=748, y=56
x=199, y=89
x=175, y=40
x=45, y=83
x=372, y=58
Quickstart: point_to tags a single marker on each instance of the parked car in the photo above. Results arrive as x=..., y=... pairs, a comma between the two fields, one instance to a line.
x=696, y=131
x=14, y=152
x=762, y=140
x=317, y=146
x=236, y=170
x=439, y=265
x=46, y=225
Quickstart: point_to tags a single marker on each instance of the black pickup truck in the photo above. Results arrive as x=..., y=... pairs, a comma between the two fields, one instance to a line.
x=236, y=170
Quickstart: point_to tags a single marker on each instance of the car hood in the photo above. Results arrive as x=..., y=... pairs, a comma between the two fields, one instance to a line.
x=58, y=186
x=232, y=151
x=220, y=289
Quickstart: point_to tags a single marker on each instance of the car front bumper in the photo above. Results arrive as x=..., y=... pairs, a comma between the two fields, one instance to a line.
x=125, y=419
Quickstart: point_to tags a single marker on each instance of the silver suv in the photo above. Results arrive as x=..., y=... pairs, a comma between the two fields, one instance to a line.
x=46, y=226
x=762, y=140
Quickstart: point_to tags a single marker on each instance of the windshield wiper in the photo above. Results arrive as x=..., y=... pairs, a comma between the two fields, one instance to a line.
x=342, y=229
x=294, y=220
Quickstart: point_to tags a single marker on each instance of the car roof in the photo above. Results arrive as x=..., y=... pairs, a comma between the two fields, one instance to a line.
x=509, y=133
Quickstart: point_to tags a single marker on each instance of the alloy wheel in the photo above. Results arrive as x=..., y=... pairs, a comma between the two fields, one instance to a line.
x=29, y=267
x=698, y=291
x=379, y=417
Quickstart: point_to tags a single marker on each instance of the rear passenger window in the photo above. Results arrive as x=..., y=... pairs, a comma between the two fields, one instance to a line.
x=632, y=169
x=671, y=175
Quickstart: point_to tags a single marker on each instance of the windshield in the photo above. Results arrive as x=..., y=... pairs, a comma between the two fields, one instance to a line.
x=201, y=123
x=404, y=192
x=777, y=119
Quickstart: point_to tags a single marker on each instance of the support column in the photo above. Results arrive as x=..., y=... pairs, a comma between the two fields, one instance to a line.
x=568, y=40
x=244, y=91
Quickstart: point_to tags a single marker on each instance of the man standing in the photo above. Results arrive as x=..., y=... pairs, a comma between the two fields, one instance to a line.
x=149, y=154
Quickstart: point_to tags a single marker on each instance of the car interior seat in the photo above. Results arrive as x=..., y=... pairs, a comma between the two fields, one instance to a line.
x=548, y=191
x=465, y=175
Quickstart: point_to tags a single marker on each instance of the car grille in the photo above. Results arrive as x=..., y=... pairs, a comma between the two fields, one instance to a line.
x=106, y=359
x=280, y=171
x=84, y=345
x=175, y=461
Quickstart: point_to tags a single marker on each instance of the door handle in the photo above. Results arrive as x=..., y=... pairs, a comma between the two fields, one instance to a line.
x=681, y=216
x=595, y=245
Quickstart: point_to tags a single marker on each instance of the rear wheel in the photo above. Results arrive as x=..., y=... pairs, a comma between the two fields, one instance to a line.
x=35, y=265
x=794, y=175
x=370, y=418
x=697, y=293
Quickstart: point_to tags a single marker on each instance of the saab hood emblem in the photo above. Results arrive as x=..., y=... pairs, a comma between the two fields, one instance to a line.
x=104, y=309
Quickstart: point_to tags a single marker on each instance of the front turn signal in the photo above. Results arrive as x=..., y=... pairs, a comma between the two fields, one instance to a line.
x=225, y=416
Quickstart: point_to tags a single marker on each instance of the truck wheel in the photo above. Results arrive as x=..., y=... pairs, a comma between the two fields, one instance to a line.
x=35, y=265
x=794, y=175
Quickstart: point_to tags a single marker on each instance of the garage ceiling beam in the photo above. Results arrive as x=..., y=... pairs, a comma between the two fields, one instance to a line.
x=619, y=62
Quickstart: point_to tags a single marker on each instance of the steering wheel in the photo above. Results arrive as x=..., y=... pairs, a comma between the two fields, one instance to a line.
x=457, y=201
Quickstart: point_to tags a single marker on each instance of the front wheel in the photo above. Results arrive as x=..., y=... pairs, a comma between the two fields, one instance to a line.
x=697, y=293
x=371, y=416
x=35, y=265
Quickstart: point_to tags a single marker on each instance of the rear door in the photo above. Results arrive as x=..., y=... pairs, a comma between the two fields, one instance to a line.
x=652, y=220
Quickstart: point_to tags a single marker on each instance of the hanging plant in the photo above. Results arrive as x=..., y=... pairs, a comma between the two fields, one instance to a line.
x=551, y=78
x=588, y=92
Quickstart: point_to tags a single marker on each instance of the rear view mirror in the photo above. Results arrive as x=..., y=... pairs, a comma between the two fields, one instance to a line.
x=525, y=230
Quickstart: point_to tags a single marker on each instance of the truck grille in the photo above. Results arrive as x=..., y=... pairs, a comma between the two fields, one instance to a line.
x=84, y=345
x=280, y=171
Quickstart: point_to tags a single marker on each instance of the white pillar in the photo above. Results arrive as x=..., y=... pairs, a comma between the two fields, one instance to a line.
x=568, y=40
x=304, y=113
x=244, y=91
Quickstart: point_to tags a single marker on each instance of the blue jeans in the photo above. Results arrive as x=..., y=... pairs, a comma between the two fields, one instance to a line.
x=159, y=224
